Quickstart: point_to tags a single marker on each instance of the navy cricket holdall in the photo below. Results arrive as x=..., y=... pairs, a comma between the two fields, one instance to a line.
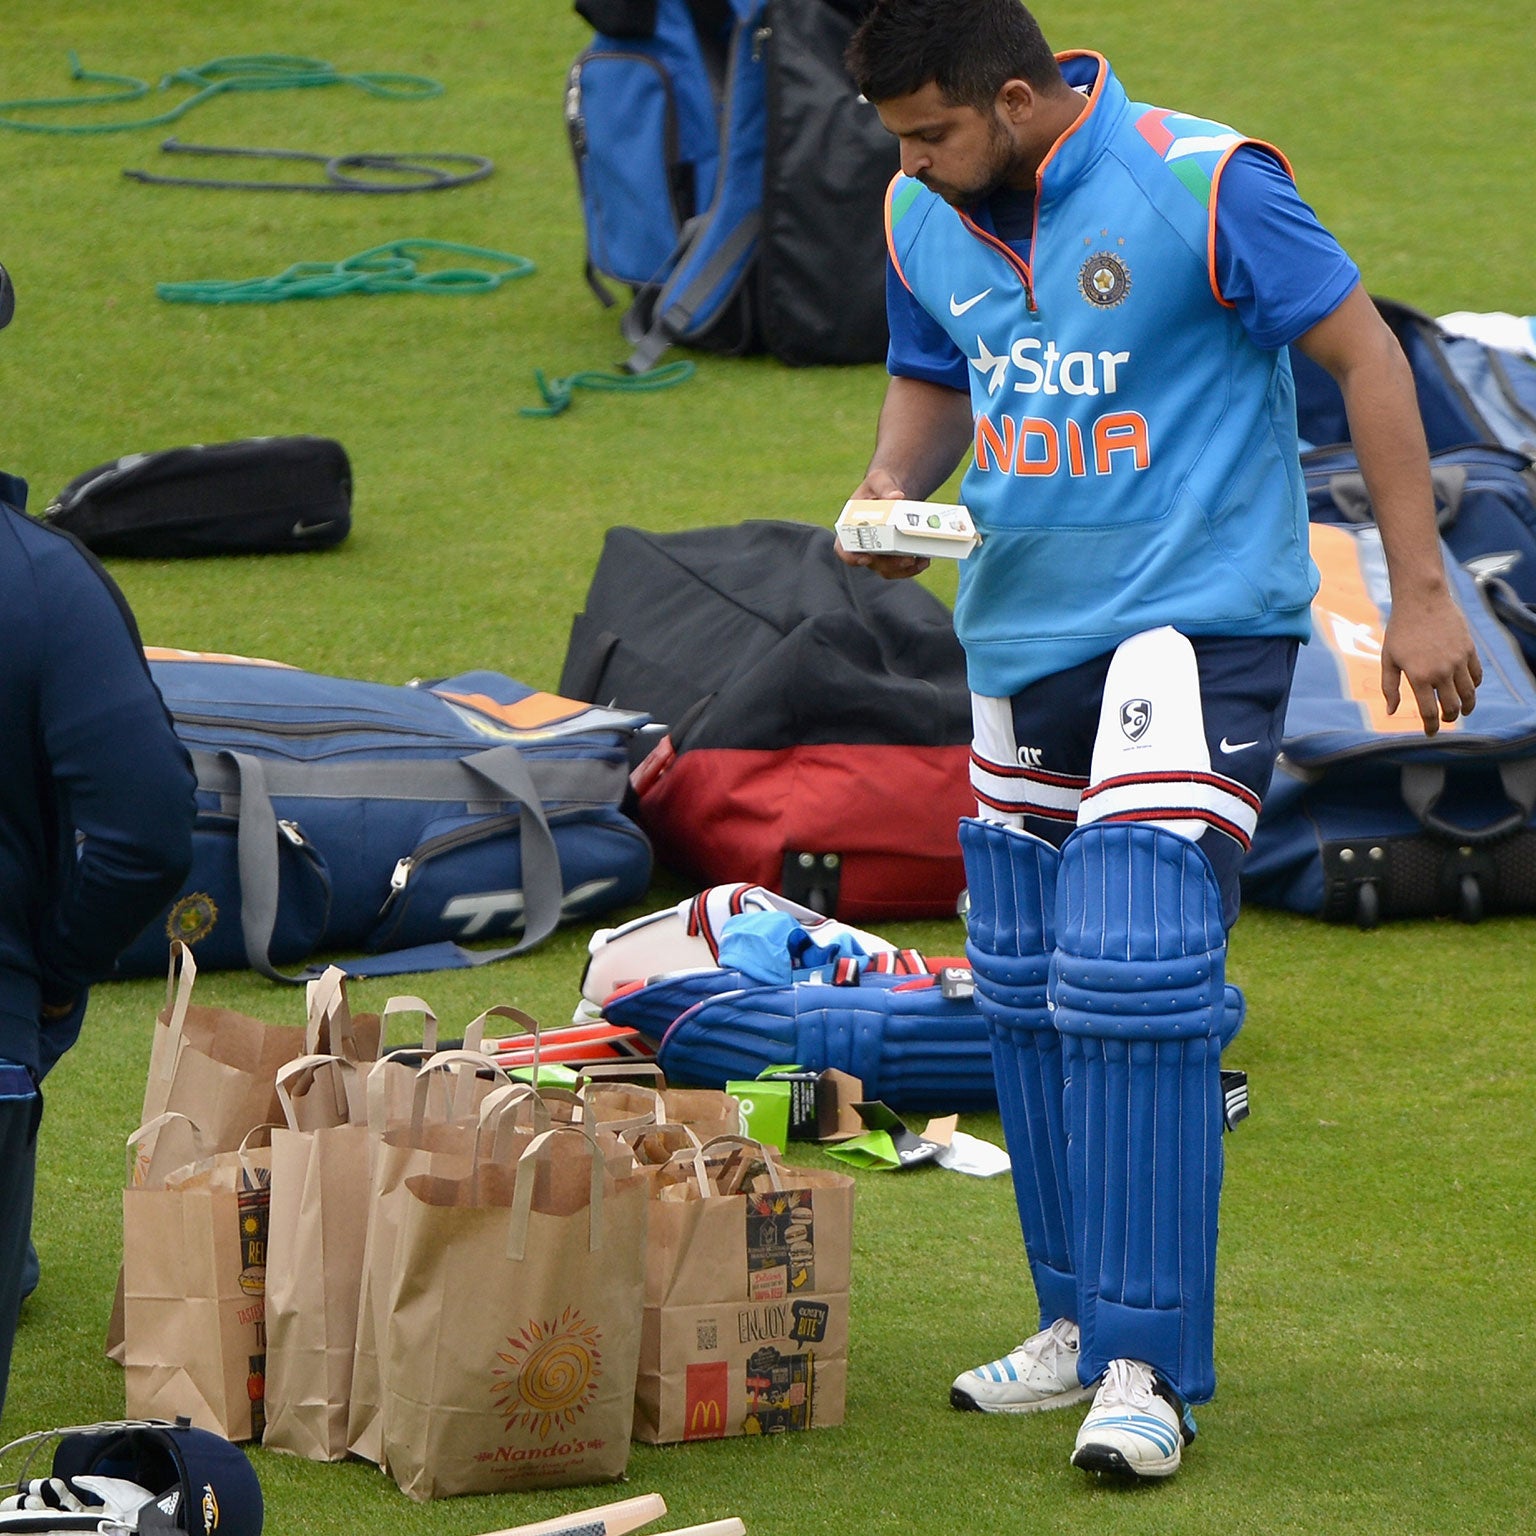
x=1366, y=817
x=336, y=814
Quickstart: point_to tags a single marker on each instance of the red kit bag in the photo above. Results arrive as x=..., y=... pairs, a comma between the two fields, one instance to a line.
x=818, y=718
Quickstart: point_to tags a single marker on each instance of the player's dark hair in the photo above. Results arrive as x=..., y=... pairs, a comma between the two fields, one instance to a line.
x=968, y=48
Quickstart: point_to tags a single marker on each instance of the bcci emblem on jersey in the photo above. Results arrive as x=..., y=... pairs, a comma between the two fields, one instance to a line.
x=1104, y=280
x=1135, y=717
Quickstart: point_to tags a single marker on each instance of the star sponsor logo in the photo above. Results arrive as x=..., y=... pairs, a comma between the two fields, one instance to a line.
x=986, y=362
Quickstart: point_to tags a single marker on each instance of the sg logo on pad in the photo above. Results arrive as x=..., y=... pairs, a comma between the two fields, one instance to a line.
x=1135, y=717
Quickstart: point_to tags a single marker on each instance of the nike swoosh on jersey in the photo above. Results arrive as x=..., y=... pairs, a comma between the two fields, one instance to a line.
x=958, y=307
x=1236, y=746
x=301, y=529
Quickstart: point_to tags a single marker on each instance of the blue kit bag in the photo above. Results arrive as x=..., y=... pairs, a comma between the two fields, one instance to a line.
x=1366, y=817
x=336, y=815
x=731, y=178
x=1485, y=505
x=1468, y=391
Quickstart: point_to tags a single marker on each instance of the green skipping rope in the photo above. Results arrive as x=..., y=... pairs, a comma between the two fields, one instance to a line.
x=387, y=268
x=557, y=392
x=240, y=72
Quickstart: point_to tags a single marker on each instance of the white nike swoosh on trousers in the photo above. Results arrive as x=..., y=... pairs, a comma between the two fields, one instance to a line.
x=957, y=308
x=1236, y=746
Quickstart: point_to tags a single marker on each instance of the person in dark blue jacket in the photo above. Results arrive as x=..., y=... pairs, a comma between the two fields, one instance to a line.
x=96, y=810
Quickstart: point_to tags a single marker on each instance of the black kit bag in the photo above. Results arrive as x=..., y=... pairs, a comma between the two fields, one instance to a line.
x=260, y=495
x=818, y=721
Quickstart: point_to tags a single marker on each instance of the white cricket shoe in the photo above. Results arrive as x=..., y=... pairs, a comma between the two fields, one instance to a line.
x=1136, y=1427
x=1039, y=1375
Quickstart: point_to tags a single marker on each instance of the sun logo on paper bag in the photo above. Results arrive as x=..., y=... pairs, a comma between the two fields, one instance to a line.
x=548, y=1374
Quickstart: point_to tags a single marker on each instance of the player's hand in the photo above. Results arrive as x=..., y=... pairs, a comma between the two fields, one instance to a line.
x=1430, y=645
x=891, y=567
x=879, y=485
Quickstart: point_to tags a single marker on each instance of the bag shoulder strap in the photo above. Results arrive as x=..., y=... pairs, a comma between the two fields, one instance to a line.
x=501, y=770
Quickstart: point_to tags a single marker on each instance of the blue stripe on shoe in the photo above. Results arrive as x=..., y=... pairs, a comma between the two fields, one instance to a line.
x=1149, y=1428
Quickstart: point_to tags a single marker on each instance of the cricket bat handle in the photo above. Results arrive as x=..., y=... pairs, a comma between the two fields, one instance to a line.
x=604, y=1520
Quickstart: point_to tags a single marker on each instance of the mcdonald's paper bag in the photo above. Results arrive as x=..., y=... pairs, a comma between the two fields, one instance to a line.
x=514, y=1321
x=747, y=1288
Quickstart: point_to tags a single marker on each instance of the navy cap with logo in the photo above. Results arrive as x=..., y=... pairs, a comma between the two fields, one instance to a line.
x=200, y=1483
x=7, y=299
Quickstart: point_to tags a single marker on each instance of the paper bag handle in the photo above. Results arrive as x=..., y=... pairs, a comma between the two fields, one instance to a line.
x=623, y=1069
x=252, y=1177
x=464, y=1066
x=626, y=1122
x=522, y=1195
x=500, y=1111
x=328, y=1026
x=765, y=1156
x=150, y=1126
x=180, y=975
x=405, y=1004
x=344, y=1086
x=475, y=1030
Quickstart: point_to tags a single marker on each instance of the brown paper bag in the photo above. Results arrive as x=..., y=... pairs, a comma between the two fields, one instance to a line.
x=214, y=1065
x=514, y=1317
x=434, y=1132
x=748, y=1265
x=194, y=1275
x=316, y=1235
x=709, y=1112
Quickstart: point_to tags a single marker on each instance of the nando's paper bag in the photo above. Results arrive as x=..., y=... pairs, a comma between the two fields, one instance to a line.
x=434, y=1130
x=747, y=1281
x=514, y=1321
x=194, y=1284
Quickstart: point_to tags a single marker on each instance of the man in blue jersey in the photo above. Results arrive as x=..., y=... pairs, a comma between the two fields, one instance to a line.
x=1092, y=299
x=96, y=817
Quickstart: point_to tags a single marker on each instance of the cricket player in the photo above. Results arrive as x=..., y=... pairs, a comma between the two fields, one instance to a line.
x=1091, y=299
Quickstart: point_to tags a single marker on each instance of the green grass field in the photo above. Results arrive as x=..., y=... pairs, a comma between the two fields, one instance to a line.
x=1374, y=1338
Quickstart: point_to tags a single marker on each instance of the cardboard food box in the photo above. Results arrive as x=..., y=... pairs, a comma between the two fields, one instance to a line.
x=746, y=1316
x=885, y=527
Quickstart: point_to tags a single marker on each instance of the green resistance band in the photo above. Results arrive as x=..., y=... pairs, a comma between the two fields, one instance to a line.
x=557, y=392
x=240, y=72
x=390, y=268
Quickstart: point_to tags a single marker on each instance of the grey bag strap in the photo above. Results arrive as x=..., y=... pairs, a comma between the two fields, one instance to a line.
x=501, y=770
x=674, y=312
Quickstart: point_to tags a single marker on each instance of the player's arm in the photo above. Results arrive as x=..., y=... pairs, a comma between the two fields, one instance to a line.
x=1427, y=640
x=925, y=423
x=124, y=781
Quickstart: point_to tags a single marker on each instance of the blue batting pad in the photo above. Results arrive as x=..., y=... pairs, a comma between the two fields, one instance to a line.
x=912, y=1047
x=1011, y=880
x=1142, y=1006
